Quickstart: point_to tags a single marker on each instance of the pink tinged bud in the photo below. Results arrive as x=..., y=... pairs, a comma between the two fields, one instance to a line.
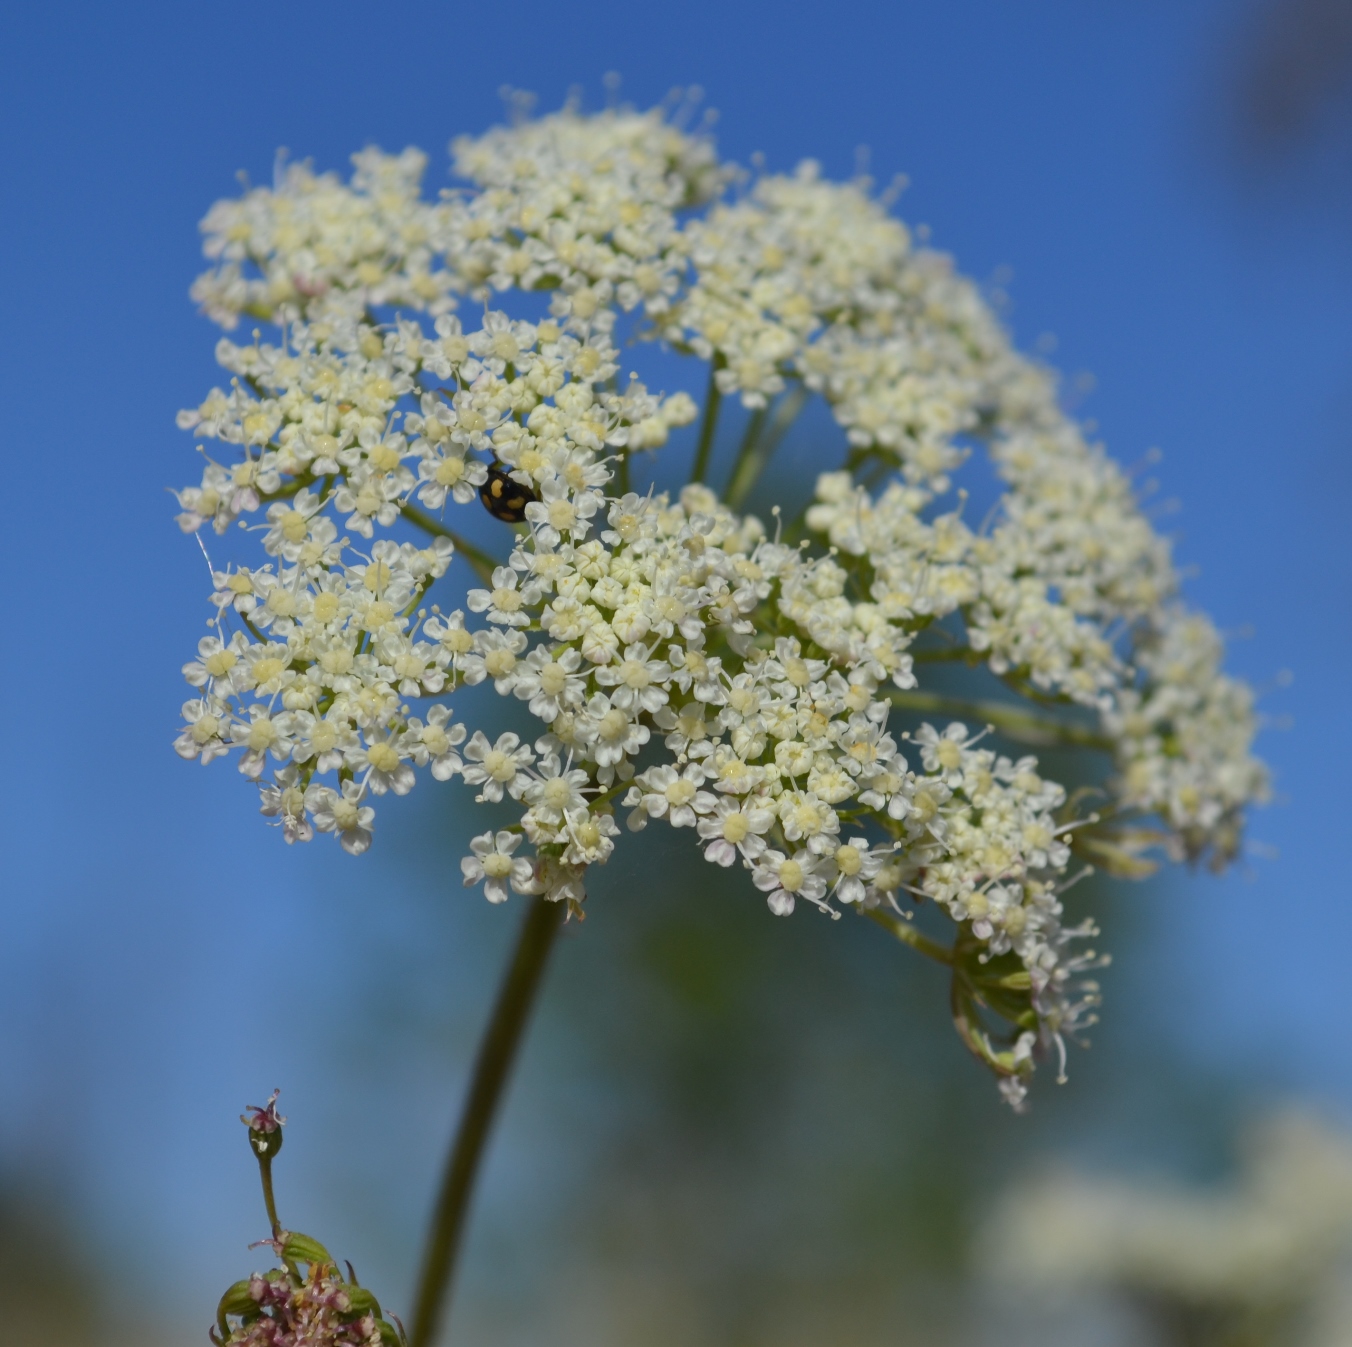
x=265, y=1127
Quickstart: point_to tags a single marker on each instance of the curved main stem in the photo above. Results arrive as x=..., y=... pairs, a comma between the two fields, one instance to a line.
x=492, y=1066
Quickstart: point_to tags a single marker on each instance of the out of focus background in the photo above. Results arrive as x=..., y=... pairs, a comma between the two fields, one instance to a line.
x=726, y=1130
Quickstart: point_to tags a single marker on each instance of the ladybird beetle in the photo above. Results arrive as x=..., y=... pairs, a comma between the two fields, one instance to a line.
x=504, y=497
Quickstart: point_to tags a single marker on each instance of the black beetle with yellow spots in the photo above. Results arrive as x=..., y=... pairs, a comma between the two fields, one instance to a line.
x=504, y=497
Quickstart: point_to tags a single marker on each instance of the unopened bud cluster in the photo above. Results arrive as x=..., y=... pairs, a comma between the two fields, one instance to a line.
x=288, y=1307
x=684, y=662
x=285, y=1308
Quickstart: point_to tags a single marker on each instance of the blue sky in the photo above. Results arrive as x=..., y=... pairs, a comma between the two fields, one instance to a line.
x=159, y=945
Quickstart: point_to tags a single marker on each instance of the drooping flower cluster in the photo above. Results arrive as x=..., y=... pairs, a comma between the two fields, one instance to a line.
x=683, y=663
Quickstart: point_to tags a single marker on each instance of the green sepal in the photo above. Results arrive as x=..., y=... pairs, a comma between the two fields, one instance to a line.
x=298, y=1248
x=237, y=1301
x=362, y=1301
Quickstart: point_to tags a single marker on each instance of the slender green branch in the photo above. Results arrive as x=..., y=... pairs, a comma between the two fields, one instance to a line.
x=265, y=1141
x=482, y=564
x=265, y=1173
x=754, y=427
x=497, y=1050
x=712, y=401
x=759, y=448
x=1021, y=726
x=908, y=935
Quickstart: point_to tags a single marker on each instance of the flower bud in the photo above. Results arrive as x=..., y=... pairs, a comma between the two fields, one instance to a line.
x=265, y=1127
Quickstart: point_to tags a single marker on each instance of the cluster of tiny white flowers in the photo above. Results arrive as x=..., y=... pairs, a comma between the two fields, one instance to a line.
x=315, y=244
x=586, y=206
x=684, y=664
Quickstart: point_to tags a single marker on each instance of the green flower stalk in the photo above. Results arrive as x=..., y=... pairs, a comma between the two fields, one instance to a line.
x=286, y=1307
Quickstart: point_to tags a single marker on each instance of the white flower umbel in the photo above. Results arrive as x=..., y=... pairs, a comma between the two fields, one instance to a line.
x=680, y=660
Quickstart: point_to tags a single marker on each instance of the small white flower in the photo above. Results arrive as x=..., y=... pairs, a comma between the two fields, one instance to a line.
x=664, y=792
x=284, y=800
x=497, y=767
x=386, y=768
x=260, y=735
x=324, y=740
x=452, y=474
x=496, y=655
x=559, y=511
x=806, y=817
x=296, y=522
x=555, y=792
x=235, y=589
x=613, y=734
x=550, y=681
x=735, y=828
x=637, y=679
x=207, y=724
x=342, y=814
x=855, y=866
x=687, y=730
x=783, y=879
x=504, y=603
x=215, y=663
x=943, y=753
x=433, y=744
x=590, y=837
x=492, y=863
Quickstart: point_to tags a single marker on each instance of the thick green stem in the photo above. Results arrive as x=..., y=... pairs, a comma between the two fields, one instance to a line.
x=497, y=1050
x=1021, y=726
x=713, y=399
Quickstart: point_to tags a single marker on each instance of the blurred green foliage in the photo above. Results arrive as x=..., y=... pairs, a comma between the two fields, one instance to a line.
x=51, y=1285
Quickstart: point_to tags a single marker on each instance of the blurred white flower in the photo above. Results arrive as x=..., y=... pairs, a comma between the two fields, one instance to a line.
x=1262, y=1259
